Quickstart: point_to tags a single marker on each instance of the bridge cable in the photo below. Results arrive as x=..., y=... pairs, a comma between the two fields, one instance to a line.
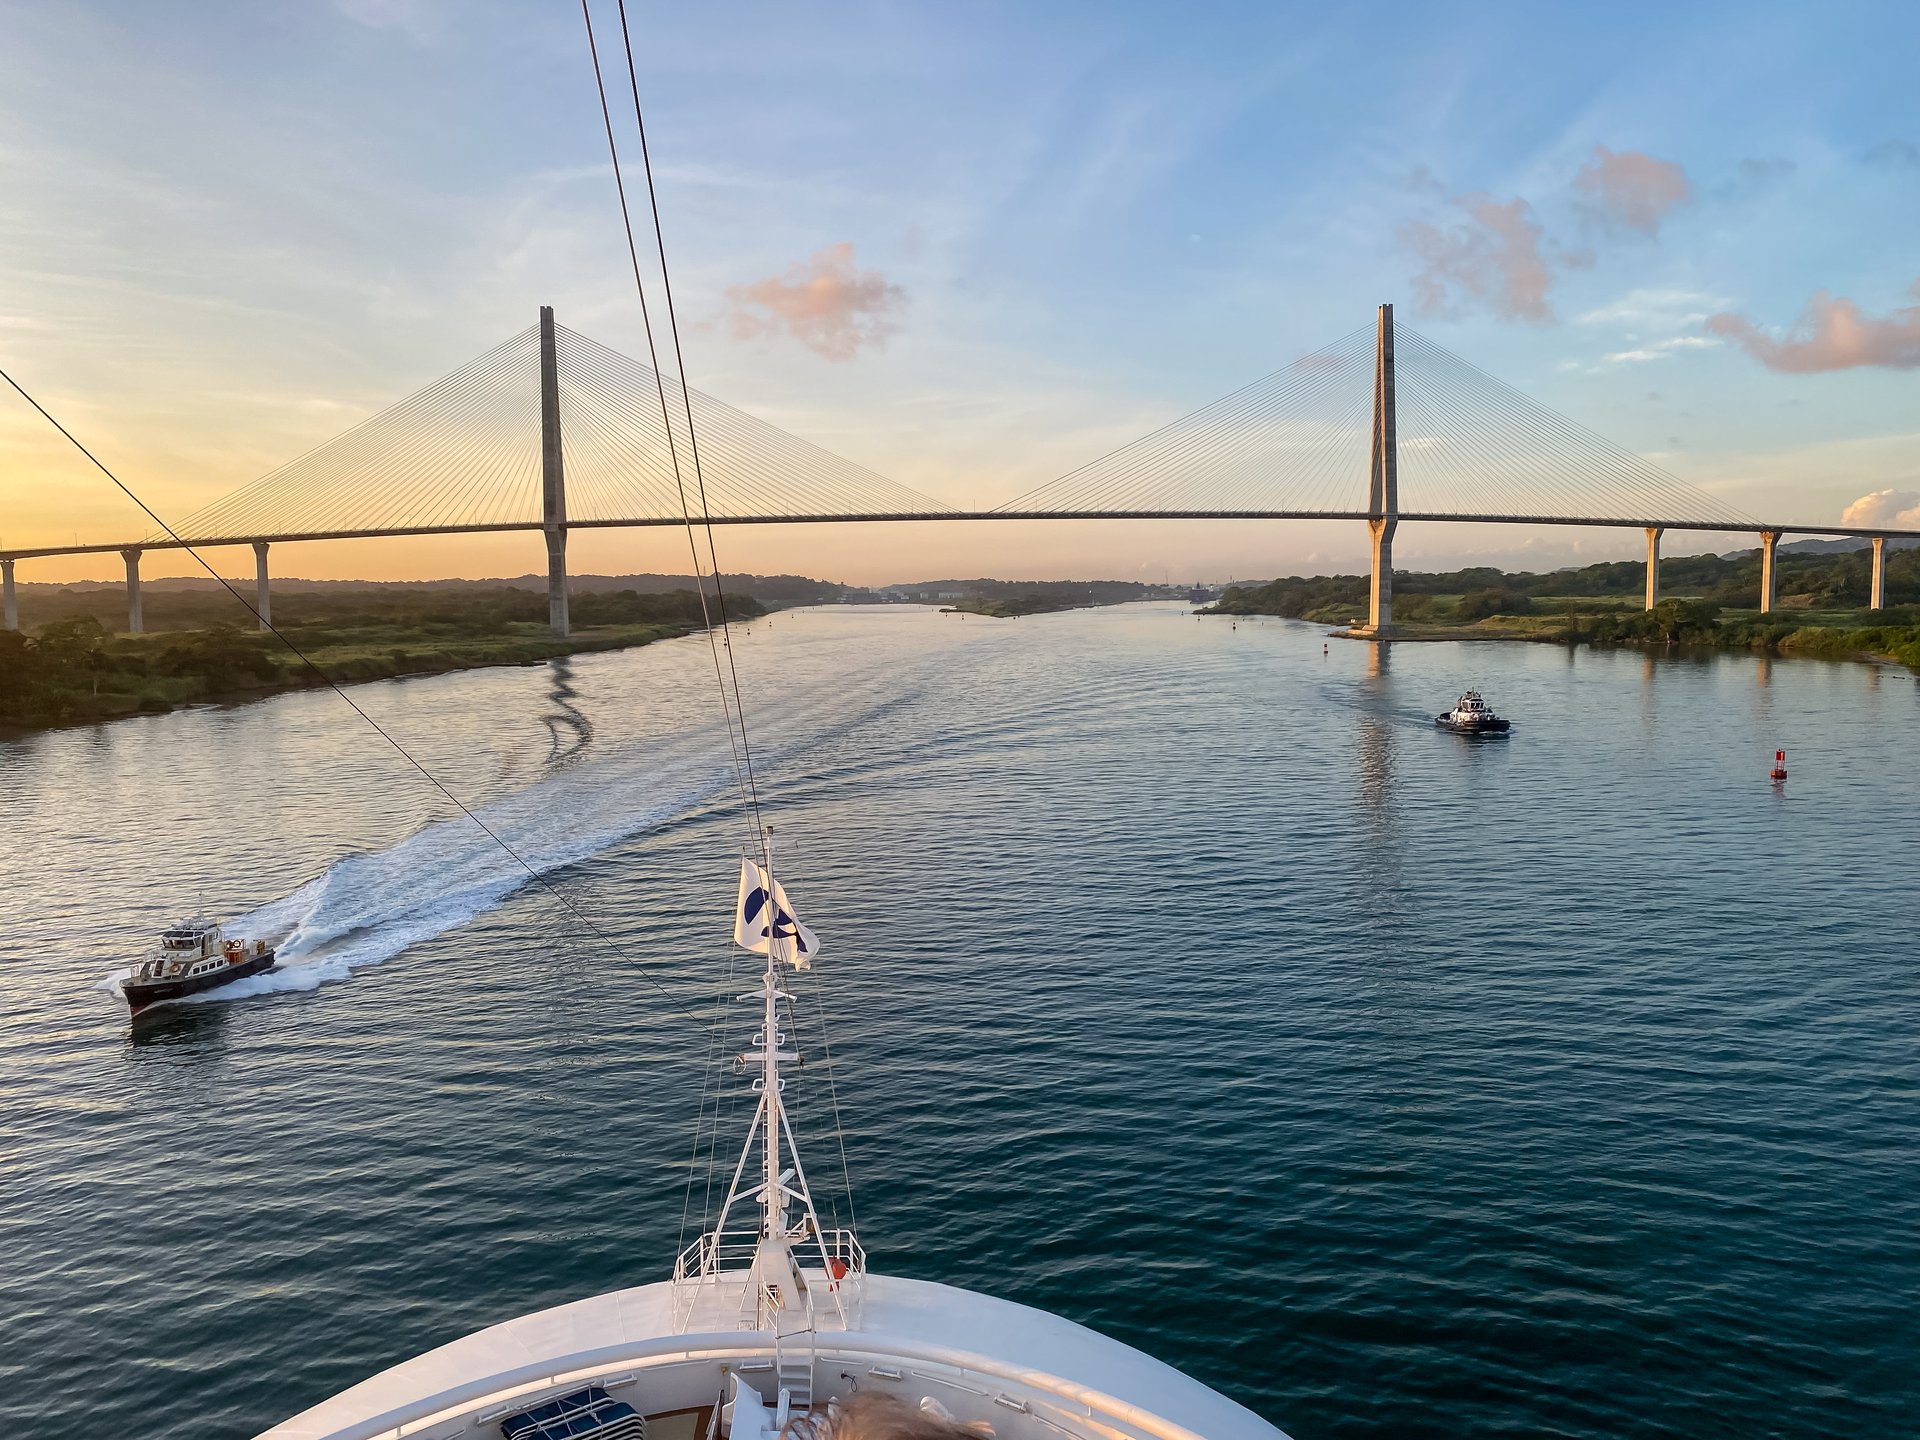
x=1225, y=438
x=1580, y=467
x=344, y=469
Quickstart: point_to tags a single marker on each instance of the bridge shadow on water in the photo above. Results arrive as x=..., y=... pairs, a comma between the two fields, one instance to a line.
x=567, y=724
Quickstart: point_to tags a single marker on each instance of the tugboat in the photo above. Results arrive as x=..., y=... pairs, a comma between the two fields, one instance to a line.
x=192, y=956
x=1472, y=716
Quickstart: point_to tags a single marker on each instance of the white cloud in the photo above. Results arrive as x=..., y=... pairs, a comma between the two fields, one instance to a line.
x=1656, y=310
x=419, y=20
x=1661, y=349
x=1896, y=509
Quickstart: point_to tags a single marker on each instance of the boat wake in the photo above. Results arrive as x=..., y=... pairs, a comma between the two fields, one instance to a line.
x=367, y=908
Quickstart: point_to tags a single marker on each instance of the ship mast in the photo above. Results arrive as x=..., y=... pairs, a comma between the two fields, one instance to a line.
x=779, y=1283
x=773, y=1202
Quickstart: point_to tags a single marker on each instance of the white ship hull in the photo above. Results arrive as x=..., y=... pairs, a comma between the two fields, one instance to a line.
x=1028, y=1373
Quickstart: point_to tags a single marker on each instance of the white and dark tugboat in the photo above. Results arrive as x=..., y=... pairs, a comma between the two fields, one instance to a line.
x=192, y=956
x=1471, y=715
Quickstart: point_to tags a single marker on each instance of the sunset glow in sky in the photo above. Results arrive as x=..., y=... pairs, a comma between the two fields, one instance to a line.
x=968, y=246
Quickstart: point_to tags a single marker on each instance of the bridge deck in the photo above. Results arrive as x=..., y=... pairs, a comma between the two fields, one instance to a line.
x=947, y=516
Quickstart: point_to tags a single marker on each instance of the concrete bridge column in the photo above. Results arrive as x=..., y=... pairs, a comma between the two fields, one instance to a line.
x=1769, y=542
x=1380, y=592
x=1383, y=500
x=553, y=482
x=136, y=622
x=1654, y=532
x=262, y=595
x=1877, y=585
x=11, y=600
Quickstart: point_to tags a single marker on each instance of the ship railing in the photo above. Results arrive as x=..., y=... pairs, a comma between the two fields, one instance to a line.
x=717, y=1263
x=718, y=1251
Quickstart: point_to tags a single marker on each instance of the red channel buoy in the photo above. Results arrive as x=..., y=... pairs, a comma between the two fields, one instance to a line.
x=1779, y=765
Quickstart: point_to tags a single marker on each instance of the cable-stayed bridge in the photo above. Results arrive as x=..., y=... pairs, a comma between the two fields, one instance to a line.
x=551, y=431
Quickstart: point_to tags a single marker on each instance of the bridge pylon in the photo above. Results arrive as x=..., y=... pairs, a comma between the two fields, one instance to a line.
x=1383, y=486
x=1769, y=578
x=136, y=612
x=553, y=480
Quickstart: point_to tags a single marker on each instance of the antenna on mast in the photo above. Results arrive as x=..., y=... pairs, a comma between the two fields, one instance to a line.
x=770, y=1273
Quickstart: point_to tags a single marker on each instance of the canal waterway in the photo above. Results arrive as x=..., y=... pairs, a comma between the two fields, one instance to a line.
x=1180, y=978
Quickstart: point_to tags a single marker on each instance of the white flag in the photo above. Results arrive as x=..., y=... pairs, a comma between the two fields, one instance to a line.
x=792, y=941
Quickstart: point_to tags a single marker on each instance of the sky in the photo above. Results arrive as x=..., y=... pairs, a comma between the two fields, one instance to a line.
x=970, y=246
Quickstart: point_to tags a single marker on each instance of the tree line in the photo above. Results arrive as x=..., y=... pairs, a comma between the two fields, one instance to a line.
x=1603, y=603
x=76, y=668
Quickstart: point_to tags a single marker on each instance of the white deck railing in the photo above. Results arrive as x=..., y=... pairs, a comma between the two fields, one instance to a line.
x=712, y=1278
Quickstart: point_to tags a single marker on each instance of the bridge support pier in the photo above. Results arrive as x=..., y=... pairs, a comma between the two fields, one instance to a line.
x=1876, y=584
x=1769, y=542
x=1380, y=590
x=11, y=600
x=1654, y=532
x=553, y=482
x=136, y=620
x=1383, y=499
x=262, y=596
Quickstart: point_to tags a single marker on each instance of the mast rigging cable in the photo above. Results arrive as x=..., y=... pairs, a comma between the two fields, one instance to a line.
x=732, y=707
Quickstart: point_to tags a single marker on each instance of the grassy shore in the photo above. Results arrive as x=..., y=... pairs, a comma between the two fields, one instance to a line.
x=73, y=671
x=1803, y=629
x=1011, y=607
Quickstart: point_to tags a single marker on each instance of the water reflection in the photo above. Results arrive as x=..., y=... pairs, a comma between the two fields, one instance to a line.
x=173, y=1028
x=1376, y=773
x=1376, y=752
x=1382, y=841
x=570, y=729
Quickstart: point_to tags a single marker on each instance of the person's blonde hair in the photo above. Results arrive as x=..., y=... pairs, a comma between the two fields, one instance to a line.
x=872, y=1415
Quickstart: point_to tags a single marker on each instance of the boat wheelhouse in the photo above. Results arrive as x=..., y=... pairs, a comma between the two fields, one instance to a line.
x=1471, y=715
x=192, y=956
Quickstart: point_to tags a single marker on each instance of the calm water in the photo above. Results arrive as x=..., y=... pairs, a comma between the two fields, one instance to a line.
x=1179, y=978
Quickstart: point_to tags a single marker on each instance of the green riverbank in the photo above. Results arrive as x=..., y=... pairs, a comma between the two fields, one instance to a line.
x=74, y=671
x=1819, y=612
x=1012, y=607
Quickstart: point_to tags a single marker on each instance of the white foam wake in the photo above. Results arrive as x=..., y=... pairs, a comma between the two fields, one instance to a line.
x=367, y=908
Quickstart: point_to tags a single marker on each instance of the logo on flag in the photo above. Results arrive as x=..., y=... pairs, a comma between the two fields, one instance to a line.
x=759, y=925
